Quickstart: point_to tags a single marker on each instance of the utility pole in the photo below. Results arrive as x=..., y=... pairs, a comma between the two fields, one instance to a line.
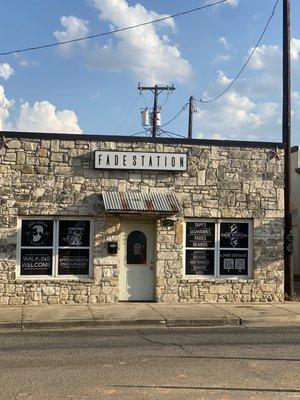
x=156, y=90
x=286, y=139
x=191, y=111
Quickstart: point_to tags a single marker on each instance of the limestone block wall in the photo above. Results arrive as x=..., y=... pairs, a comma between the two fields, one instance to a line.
x=55, y=177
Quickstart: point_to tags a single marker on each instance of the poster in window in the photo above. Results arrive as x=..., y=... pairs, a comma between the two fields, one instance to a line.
x=199, y=262
x=73, y=261
x=36, y=261
x=234, y=262
x=74, y=233
x=200, y=234
x=234, y=235
x=37, y=233
x=136, y=248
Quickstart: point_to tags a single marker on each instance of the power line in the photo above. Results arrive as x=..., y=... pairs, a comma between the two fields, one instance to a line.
x=113, y=31
x=128, y=113
x=138, y=133
x=247, y=61
x=168, y=133
x=175, y=116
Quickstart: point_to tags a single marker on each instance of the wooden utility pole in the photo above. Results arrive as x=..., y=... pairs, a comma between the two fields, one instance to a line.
x=286, y=139
x=156, y=90
x=191, y=111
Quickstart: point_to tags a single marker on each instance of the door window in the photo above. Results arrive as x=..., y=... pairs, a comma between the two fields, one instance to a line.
x=136, y=248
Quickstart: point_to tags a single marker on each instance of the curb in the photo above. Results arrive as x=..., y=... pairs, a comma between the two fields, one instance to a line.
x=280, y=320
x=204, y=322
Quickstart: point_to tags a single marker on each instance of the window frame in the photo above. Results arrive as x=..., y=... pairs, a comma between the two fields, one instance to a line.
x=217, y=248
x=55, y=247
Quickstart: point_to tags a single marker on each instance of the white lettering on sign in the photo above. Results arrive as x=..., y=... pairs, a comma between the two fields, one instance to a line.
x=140, y=160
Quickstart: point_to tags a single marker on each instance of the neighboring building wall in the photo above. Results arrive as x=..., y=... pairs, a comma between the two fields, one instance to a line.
x=296, y=207
x=41, y=177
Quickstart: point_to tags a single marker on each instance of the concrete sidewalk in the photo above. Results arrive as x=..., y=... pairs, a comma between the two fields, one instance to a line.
x=150, y=314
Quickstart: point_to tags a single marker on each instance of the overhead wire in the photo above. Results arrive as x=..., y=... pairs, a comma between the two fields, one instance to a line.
x=246, y=62
x=172, y=133
x=138, y=133
x=128, y=113
x=32, y=48
x=176, y=115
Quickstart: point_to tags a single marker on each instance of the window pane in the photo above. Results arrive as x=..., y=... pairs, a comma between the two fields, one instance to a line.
x=200, y=234
x=73, y=261
x=37, y=233
x=233, y=262
x=199, y=262
x=234, y=235
x=74, y=233
x=36, y=261
x=136, y=248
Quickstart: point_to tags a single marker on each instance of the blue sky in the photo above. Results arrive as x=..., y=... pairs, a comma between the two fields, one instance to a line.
x=91, y=87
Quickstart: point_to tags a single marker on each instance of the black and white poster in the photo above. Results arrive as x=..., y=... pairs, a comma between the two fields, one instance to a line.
x=73, y=261
x=234, y=262
x=74, y=233
x=199, y=262
x=36, y=261
x=200, y=234
x=234, y=235
x=37, y=233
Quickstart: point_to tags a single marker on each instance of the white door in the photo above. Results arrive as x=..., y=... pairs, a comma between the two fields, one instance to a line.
x=136, y=269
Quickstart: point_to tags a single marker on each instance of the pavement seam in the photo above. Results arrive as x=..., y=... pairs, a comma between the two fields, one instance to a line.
x=157, y=312
x=228, y=312
x=22, y=320
x=282, y=308
x=90, y=310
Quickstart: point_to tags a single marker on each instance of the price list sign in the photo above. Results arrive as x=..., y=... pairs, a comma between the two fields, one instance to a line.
x=200, y=244
x=199, y=262
x=200, y=234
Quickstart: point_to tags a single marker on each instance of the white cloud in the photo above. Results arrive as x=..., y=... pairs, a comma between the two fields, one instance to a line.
x=295, y=49
x=238, y=117
x=233, y=2
x=222, y=79
x=145, y=51
x=28, y=63
x=74, y=28
x=6, y=71
x=43, y=117
x=5, y=105
x=265, y=56
x=223, y=41
x=220, y=58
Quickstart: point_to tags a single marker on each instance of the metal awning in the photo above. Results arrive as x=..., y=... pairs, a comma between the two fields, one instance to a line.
x=140, y=202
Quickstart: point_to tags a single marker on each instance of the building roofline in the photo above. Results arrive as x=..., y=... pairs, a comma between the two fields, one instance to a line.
x=294, y=149
x=136, y=139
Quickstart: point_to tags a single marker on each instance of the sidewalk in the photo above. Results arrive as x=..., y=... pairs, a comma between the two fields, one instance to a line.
x=148, y=314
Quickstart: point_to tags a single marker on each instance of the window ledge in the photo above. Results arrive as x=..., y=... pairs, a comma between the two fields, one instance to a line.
x=217, y=280
x=68, y=279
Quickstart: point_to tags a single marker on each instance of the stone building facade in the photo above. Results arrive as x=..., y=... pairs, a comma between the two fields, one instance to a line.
x=227, y=185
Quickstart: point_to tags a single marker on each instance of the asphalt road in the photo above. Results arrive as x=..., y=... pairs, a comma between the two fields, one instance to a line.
x=157, y=363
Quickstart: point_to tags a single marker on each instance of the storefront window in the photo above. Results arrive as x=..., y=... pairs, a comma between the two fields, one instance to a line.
x=217, y=248
x=36, y=256
x=55, y=247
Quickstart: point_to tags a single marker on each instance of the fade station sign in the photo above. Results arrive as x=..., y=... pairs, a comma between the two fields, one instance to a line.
x=140, y=160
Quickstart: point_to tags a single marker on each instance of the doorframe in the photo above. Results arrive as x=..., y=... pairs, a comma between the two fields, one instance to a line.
x=127, y=221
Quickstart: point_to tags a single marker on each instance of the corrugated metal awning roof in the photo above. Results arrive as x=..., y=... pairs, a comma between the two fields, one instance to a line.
x=140, y=202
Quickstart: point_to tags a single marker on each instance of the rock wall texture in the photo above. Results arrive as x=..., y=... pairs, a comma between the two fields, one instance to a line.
x=51, y=177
